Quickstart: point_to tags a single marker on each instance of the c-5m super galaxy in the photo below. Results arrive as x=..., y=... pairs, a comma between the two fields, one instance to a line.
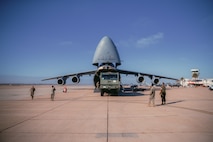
x=107, y=75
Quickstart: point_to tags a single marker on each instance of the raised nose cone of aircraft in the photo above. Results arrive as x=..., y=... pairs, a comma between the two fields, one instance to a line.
x=106, y=52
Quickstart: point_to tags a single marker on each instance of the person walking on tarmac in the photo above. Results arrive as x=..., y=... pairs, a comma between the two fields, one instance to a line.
x=32, y=91
x=152, y=96
x=163, y=94
x=53, y=93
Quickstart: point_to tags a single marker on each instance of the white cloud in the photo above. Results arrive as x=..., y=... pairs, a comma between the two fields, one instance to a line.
x=150, y=40
x=142, y=42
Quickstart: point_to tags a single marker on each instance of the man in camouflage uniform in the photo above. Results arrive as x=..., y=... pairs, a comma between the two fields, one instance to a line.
x=163, y=94
x=32, y=91
x=152, y=96
x=53, y=93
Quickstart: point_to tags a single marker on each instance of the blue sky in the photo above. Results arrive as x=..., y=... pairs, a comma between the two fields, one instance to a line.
x=47, y=38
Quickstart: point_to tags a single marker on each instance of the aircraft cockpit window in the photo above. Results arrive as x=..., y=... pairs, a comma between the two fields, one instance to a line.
x=109, y=77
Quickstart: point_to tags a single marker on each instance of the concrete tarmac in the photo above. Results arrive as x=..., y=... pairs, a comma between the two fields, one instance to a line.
x=80, y=115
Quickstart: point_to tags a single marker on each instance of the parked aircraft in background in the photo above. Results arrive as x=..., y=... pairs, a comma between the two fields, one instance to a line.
x=107, y=59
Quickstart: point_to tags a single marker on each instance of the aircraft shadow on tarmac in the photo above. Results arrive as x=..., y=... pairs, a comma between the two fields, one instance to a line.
x=127, y=94
x=130, y=94
x=122, y=94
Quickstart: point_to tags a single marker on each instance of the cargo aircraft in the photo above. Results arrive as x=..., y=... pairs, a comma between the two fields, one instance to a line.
x=107, y=59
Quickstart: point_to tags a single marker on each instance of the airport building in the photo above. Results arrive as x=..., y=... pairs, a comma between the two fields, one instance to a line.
x=195, y=74
x=195, y=81
x=208, y=82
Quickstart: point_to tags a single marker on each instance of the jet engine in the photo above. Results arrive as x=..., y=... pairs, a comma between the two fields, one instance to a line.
x=140, y=79
x=155, y=80
x=62, y=80
x=76, y=79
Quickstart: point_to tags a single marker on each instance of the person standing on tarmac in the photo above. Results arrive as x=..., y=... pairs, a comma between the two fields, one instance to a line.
x=53, y=93
x=65, y=90
x=32, y=91
x=152, y=96
x=163, y=94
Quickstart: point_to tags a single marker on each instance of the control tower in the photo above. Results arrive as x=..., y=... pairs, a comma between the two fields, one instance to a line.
x=195, y=74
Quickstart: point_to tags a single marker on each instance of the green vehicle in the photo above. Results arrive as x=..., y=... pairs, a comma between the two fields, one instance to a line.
x=109, y=83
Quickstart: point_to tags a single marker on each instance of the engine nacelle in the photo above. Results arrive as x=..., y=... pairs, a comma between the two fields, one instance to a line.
x=62, y=81
x=140, y=79
x=75, y=79
x=155, y=80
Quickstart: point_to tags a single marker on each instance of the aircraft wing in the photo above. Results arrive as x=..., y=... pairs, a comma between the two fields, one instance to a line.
x=144, y=74
x=74, y=74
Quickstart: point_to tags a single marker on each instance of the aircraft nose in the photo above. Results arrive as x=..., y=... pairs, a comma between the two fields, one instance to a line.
x=106, y=52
